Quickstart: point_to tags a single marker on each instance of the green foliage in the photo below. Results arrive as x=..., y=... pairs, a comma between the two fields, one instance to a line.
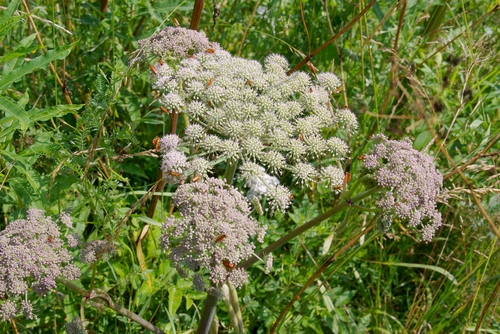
x=81, y=142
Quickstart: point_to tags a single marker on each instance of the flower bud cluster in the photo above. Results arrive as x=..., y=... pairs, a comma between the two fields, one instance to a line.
x=212, y=234
x=172, y=43
x=32, y=256
x=242, y=111
x=410, y=181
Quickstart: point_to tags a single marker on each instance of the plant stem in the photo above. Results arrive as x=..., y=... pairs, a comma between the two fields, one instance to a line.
x=208, y=314
x=196, y=16
x=109, y=304
x=301, y=229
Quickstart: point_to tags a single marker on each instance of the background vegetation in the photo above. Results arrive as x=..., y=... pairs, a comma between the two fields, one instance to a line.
x=76, y=136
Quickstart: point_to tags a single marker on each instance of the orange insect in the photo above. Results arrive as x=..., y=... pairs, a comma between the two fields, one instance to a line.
x=347, y=178
x=161, y=61
x=209, y=50
x=209, y=83
x=220, y=238
x=51, y=239
x=301, y=137
x=361, y=157
x=228, y=264
x=291, y=197
x=310, y=90
x=191, y=56
x=176, y=23
x=338, y=90
x=156, y=143
x=165, y=110
x=313, y=69
x=249, y=82
x=153, y=69
x=176, y=174
x=196, y=179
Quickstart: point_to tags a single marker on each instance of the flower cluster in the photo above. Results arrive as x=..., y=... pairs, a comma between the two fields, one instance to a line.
x=410, y=181
x=212, y=234
x=173, y=43
x=241, y=111
x=95, y=249
x=32, y=256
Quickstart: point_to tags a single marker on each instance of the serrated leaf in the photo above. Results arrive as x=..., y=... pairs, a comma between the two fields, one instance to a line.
x=34, y=64
x=25, y=192
x=13, y=109
x=7, y=24
x=40, y=115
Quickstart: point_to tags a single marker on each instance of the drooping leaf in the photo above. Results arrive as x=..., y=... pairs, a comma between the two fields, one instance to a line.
x=34, y=64
x=39, y=115
x=13, y=109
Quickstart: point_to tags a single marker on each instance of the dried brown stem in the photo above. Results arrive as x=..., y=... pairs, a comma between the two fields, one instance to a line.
x=196, y=16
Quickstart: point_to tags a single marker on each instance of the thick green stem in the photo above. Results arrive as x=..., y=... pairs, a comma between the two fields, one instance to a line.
x=301, y=229
x=233, y=307
x=230, y=171
x=208, y=314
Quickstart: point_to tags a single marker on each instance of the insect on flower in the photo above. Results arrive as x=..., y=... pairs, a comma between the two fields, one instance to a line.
x=249, y=82
x=196, y=178
x=347, y=178
x=161, y=61
x=156, y=143
x=165, y=110
x=209, y=83
x=361, y=157
x=220, y=238
x=153, y=69
x=228, y=264
x=51, y=239
x=176, y=174
x=209, y=50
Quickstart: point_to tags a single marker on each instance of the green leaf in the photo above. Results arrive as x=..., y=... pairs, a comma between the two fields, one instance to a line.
x=25, y=192
x=422, y=139
x=436, y=19
x=13, y=109
x=147, y=220
x=476, y=123
x=36, y=63
x=40, y=115
x=440, y=270
x=174, y=299
x=7, y=24
x=8, y=126
x=22, y=166
x=9, y=11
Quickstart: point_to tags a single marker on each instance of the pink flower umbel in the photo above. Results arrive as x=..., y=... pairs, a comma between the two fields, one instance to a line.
x=213, y=233
x=32, y=256
x=411, y=184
